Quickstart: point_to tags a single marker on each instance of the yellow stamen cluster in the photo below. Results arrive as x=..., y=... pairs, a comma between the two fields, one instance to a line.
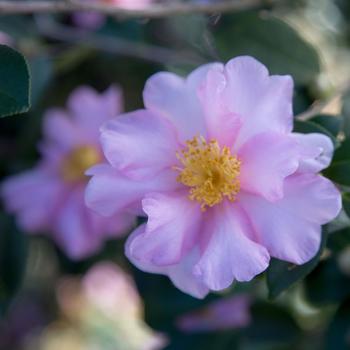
x=75, y=164
x=211, y=172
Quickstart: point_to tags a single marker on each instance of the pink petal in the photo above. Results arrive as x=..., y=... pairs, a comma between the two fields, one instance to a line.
x=222, y=314
x=109, y=191
x=176, y=99
x=139, y=144
x=291, y=228
x=227, y=252
x=221, y=124
x=263, y=102
x=74, y=227
x=90, y=109
x=180, y=274
x=32, y=196
x=316, y=151
x=60, y=130
x=267, y=159
x=171, y=230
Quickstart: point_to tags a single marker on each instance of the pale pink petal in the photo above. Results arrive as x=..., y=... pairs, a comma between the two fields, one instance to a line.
x=89, y=108
x=176, y=98
x=33, y=197
x=291, y=228
x=109, y=191
x=266, y=160
x=227, y=252
x=74, y=230
x=139, y=144
x=60, y=130
x=180, y=274
x=171, y=230
x=221, y=123
x=222, y=314
x=316, y=151
x=263, y=102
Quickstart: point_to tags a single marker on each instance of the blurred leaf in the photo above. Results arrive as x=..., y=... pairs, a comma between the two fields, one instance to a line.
x=339, y=240
x=14, y=82
x=13, y=254
x=271, y=325
x=271, y=41
x=339, y=170
x=310, y=126
x=330, y=122
x=41, y=72
x=281, y=274
x=338, y=334
x=327, y=284
x=346, y=113
x=346, y=203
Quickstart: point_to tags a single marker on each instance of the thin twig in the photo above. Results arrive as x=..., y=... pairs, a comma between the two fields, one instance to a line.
x=152, y=11
x=111, y=44
x=319, y=106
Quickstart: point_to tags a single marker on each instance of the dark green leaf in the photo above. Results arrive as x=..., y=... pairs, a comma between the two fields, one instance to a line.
x=308, y=127
x=327, y=284
x=339, y=240
x=330, y=122
x=346, y=202
x=14, y=82
x=281, y=275
x=339, y=330
x=271, y=41
x=339, y=170
x=13, y=253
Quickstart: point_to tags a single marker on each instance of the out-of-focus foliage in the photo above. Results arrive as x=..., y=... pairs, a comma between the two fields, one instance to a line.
x=310, y=307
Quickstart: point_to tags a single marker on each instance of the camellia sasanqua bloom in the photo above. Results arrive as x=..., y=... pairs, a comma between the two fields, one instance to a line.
x=50, y=197
x=225, y=183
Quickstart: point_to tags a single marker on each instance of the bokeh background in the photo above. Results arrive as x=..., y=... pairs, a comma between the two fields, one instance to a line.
x=41, y=288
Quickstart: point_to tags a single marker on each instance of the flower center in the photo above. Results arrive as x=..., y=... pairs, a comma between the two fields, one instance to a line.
x=78, y=161
x=211, y=172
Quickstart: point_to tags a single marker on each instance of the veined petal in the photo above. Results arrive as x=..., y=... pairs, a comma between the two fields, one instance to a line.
x=176, y=98
x=263, y=102
x=139, y=144
x=266, y=160
x=180, y=274
x=171, y=230
x=227, y=252
x=109, y=191
x=291, y=228
x=221, y=123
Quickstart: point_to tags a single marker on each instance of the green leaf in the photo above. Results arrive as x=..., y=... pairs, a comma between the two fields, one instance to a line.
x=308, y=127
x=339, y=170
x=270, y=40
x=337, y=336
x=330, y=122
x=14, y=82
x=13, y=254
x=281, y=274
x=346, y=203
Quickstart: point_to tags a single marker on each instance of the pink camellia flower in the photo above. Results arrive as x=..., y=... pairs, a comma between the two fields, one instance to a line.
x=50, y=197
x=213, y=163
x=223, y=314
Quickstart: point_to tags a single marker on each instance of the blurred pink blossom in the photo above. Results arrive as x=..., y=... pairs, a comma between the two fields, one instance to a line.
x=213, y=163
x=50, y=197
x=105, y=299
x=223, y=314
x=94, y=20
x=6, y=39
